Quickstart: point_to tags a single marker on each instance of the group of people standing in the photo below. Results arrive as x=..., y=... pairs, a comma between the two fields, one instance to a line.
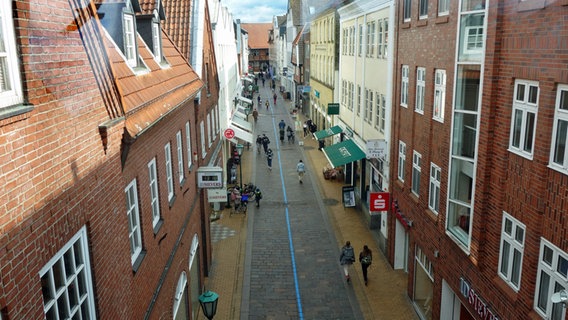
x=347, y=258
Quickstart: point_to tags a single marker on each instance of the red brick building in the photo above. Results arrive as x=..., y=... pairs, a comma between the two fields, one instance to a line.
x=479, y=158
x=100, y=109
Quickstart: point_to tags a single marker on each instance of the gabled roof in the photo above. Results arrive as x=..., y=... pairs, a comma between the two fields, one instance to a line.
x=258, y=34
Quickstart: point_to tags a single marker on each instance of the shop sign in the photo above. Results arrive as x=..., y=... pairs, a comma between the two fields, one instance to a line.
x=209, y=177
x=348, y=196
x=476, y=302
x=332, y=108
x=378, y=201
x=376, y=149
x=216, y=195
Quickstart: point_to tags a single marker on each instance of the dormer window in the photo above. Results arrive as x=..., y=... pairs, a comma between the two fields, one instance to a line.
x=129, y=40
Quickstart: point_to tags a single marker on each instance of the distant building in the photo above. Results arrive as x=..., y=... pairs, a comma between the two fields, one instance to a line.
x=258, y=37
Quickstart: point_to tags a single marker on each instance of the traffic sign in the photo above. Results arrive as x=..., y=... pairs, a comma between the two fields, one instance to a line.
x=229, y=133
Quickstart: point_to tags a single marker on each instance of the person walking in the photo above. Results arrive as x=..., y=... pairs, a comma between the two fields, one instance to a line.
x=305, y=129
x=282, y=124
x=347, y=258
x=274, y=97
x=265, y=143
x=269, y=159
x=259, y=100
x=255, y=115
x=267, y=104
x=301, y=169
x=257, y=196
x=258, y=143
x=290, y=134
x=365, y=258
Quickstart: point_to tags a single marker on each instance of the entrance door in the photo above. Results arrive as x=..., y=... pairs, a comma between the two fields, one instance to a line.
x=400, y=248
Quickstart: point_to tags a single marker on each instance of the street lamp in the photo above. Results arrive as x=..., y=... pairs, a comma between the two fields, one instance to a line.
x=248, y=110
x=208, y=302
x=240, y=148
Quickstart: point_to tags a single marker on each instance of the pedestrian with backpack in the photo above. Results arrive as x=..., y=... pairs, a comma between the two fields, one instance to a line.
x=366, y=258
x=347, y=258
x=257, y=196
x=301, y=169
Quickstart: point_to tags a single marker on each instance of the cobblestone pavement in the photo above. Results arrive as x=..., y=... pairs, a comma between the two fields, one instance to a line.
x=281, y=261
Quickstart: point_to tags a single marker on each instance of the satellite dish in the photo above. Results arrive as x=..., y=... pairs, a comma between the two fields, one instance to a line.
x=559, y=297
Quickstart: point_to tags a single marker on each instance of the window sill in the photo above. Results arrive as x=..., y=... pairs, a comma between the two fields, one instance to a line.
x=158, y=226
x=422, y=22
x=15, y=111
x=443, y=19
x=532, y=5
x=405, y=25
x=138, y=261
x=171, y=201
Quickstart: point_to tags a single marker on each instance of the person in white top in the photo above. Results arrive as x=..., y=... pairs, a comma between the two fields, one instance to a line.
x=301, y=169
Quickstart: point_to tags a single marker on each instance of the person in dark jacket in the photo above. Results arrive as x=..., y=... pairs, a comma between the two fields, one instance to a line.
x=347, y=258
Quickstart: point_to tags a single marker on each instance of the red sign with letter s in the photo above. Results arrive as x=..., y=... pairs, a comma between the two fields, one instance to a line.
x=379, y=201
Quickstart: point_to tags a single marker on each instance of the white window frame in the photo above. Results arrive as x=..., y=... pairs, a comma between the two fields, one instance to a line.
x=358, y=100
x=11, y=89
x=513, y=233
x=154, y=193
x=380, y=38
x=74, y=266
x=401, y=160
x=521, y=137
x=156, y=41
x=361, y=40
x=179, y=145
x=416, y=172
x=209, y=130
x=129, y=40
x=404, y=86
x=420, y=89
x=385, y=38
x=423, y=9
x=560, y=117
x=202, y=130
x=370, y=38
x=169, y=170
x=383, y=113
x=439, y=95
x=407, y=10
x=133, y=217
x=377, y=110
x=188, y=141
x=473, y=42
x=434, y=192
x=443, y=7
x=556, y=281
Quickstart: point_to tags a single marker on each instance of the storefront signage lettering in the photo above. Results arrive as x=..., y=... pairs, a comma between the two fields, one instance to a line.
x=476, y=302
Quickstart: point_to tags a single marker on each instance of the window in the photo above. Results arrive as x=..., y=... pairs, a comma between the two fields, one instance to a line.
x=559, y=152
x=377, y=110
x=351, y=95
x=368, y=111
x=416, y=168
x=380, y=41
x=180, y=156
x=169, y=174
x=551, y=278
x=473, y=39
x=439, y=94
x=209, y=130
x=525, y=105
x=443, y=7
x=407, y=7
x=134, y=227
x=434, y=190
x=156, y=41
x=401, y=160
x=423, y=9
x=370, y=39
x=129, y=40
x=358, y=100
x=385, y=38
x=420, y=89
x=154, y=195
x=360, y=40
x=66, y=281
x=383, y=113
x=512, y=247
x=404, y=87
x=188, y=140
x=10, y=83
x=202, y=130
x=181, y=307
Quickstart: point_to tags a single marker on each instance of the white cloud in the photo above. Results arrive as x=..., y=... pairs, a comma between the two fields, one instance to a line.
x=254, y=11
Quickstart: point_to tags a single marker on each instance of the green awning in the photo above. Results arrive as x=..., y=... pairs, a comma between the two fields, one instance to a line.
x=343, y=152
x=327, y=132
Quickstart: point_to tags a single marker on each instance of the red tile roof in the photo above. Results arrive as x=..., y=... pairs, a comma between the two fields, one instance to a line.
x=148, y=97
x=257, y=34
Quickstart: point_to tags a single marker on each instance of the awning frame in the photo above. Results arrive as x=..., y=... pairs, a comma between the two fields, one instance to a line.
x=322, y=134
x=343, y=153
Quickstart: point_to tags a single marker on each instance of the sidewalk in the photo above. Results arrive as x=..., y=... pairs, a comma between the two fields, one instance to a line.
x=385, y=296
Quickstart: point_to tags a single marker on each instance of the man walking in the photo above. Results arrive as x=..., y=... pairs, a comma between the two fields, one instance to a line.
x=269, y=159
x=265, y=142
x=301, y=169
x=347, y=258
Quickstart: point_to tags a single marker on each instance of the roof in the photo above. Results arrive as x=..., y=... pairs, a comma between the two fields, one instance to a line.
x=148, y=97
x=257, y=34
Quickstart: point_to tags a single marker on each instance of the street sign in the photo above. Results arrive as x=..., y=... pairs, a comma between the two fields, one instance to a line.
x=332, y=108
x=378, y=201
x=229, y=133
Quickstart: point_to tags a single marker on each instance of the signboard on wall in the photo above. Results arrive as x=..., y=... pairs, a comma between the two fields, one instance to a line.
x=210, y=177
x=348, y=196
x=379, y=201
x=332, y=108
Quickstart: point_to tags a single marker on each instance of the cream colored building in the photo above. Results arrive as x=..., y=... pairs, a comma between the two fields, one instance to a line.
x=324, y=68
x=365, y=95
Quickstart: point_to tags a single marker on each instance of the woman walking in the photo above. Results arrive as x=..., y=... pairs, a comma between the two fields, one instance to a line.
x=347, y=258
x=366, y=258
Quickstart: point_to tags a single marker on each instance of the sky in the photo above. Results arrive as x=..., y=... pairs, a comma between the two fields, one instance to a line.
x=256, y=11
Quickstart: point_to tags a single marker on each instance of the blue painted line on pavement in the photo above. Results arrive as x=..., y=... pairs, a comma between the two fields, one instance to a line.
x=290, y=242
